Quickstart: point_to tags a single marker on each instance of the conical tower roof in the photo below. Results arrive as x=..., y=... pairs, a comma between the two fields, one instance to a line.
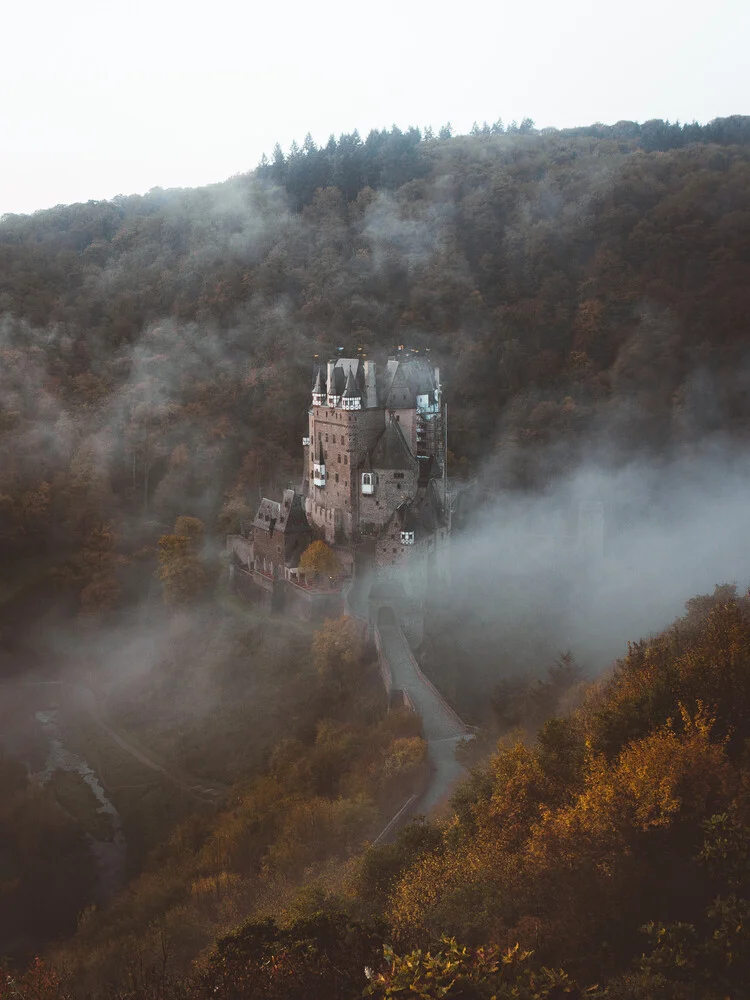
x=350, y=390
x=318, y=389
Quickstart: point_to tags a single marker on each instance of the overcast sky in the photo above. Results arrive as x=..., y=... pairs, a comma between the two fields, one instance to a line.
x=101, y=98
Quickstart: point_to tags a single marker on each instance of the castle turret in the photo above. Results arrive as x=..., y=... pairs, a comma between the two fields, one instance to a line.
x=333, y=397
x=352, y=397
x=371, y=389
x=319, y=391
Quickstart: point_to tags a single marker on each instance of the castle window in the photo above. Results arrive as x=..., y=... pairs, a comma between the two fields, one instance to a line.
x=334, y=439
x=337, y=477
x=398, y=486
x=346, y=459
x=368, y=486
x=407, y=537
x=339, y=459
x=326, y=439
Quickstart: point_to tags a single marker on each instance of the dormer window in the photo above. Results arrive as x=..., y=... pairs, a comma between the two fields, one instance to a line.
x=368, y=483
x=407, y=537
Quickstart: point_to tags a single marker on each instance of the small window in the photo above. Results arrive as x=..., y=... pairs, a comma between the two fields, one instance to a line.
x=326, y=439
x=346, y=459
x=337, y=477
x=334, y=439
x=338, y=458
x=398, y=486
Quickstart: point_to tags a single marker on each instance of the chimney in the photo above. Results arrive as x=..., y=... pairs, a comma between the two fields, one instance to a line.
x=331, y=383
x=371, y=389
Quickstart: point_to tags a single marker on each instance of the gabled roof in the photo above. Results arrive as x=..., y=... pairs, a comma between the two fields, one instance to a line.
x=421, y=375
x=286, y=517
x=391, y=450
x=405, y=379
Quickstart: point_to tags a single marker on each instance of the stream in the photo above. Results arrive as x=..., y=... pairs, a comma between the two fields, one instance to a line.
x=44, y=752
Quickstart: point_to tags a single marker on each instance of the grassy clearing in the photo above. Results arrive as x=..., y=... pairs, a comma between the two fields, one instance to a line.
x=78, y=800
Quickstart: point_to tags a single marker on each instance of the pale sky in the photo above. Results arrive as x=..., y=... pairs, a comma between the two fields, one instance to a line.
x=101, y=98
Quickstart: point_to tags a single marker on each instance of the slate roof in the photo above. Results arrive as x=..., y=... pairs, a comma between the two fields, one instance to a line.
x=268, y=514
x=286, y=517
x=422, y=514
x=403, y=380
x=292, y=518
x=352, y=389
x=343, y=369
x=391, y=450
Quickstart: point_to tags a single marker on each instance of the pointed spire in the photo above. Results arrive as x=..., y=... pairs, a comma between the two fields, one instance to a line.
x=350, y=390
x=318, y=389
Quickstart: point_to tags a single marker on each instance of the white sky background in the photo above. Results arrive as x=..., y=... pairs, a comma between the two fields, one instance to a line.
x=99, y=98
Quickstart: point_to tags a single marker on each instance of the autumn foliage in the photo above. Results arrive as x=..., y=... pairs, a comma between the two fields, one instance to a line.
x=319, y=559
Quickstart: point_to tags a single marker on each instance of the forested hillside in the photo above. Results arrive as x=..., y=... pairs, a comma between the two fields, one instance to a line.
x=586, y=294
x=576, y=285
x=607, y=857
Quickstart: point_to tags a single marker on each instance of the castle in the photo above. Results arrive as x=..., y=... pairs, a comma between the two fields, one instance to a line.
x=374, y=484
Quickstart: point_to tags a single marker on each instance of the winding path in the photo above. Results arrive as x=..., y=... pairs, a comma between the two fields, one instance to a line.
x=443, y=729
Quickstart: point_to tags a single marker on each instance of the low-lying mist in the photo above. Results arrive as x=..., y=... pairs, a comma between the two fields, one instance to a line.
x=600, y=558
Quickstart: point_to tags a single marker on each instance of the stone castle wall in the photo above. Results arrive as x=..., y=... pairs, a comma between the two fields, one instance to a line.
x=346, y=437
x=392, y=487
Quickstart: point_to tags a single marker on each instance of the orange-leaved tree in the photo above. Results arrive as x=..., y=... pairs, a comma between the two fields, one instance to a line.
x=319, y=558
x=181, y=571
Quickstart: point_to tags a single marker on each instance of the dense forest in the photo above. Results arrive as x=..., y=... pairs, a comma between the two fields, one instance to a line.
x=585, y=292
x=606, y=856
x=577, y=287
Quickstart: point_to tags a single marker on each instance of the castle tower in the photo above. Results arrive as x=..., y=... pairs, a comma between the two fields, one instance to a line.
x=375, y=438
